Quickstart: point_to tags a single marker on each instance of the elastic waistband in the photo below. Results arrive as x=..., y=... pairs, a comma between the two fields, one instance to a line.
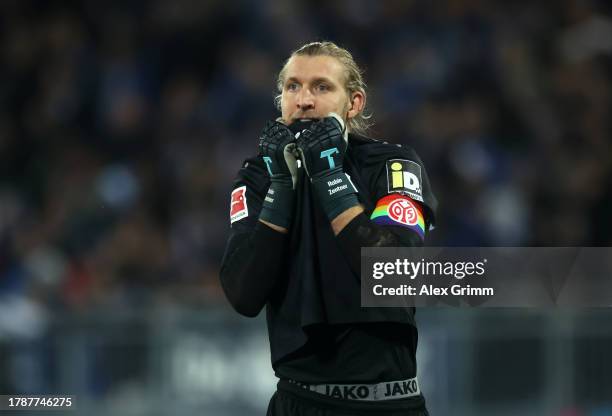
x=388, y=390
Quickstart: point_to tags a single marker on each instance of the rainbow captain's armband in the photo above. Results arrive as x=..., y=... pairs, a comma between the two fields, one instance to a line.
x=396, y=209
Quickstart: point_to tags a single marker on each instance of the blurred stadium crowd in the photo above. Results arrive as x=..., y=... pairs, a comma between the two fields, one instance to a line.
x=124, y=123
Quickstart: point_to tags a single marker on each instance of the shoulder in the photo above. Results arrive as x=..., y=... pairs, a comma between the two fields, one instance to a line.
x=367, y=151
x=253, y=165
x=253, y=174
x=393, y=168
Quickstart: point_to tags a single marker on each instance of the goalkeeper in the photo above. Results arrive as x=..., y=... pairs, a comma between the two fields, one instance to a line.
x=300, y=212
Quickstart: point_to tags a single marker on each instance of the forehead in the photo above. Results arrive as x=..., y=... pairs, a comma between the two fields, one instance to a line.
x=306, y=68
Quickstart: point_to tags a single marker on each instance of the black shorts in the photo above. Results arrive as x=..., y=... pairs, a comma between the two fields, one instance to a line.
x=292, y=400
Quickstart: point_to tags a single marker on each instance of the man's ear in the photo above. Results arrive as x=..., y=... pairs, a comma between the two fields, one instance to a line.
x=357, y=104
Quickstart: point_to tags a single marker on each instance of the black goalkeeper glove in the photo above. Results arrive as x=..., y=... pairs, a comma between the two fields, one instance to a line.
x=277, y=146
x=322, y=148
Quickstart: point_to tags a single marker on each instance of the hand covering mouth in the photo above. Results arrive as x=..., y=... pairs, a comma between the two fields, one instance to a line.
x=300, y=124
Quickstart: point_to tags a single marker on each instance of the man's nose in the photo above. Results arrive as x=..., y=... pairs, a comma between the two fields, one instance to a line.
x=305, y=100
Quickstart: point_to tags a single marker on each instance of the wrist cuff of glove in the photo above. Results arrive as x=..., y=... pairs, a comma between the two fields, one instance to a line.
x=278, y=204
x=336, y=193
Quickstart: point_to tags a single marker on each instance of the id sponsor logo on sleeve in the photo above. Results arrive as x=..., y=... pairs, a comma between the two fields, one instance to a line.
x=238, y=206
x=404, y=176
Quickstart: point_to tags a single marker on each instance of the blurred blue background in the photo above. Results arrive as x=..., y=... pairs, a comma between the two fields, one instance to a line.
x=124, y=123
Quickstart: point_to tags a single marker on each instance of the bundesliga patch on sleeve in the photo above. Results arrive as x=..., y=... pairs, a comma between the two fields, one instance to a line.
x=399, y=210
x=404, y=176
x=238, y=206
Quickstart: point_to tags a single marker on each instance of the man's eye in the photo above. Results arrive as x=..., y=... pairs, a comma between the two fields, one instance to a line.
x=323, y=87
x=292, y=87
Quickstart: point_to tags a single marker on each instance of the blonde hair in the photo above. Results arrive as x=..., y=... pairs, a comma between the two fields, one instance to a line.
x=353, y=78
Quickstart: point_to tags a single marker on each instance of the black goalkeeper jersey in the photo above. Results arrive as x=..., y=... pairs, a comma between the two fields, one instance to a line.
x=357, y=353
x=315, y=287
